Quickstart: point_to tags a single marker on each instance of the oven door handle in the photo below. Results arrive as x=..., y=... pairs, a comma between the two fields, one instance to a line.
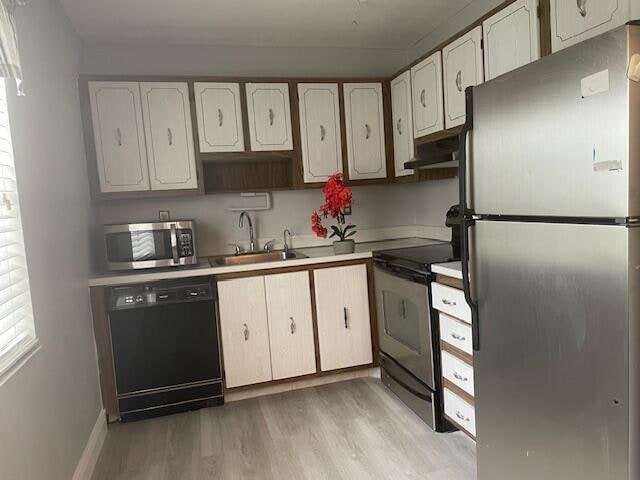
x=411, y=390
x=402, y=271
x=174, y=244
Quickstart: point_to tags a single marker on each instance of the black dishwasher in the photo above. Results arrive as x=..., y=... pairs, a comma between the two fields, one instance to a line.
x=166, y=352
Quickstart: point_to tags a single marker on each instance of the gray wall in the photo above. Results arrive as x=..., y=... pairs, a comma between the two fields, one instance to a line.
x=49, y=406
x=240, y=61
x=374, y=207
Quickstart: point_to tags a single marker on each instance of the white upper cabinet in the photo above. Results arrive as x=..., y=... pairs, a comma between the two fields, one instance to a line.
x=119, y=136
x=320, y=130
x=365, y=130
x=269, y=113
x=511, y=38
x=290, y=324
x=402, y=123
x=462, y=63
x=167, y=122
x=573, y=21
x=219, y=114
x=344, y=325
x=428, y=104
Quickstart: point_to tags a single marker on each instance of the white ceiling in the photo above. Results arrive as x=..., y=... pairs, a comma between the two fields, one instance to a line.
x=393, y=24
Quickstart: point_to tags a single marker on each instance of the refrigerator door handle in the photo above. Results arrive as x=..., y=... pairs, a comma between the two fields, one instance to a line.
x=468, y=218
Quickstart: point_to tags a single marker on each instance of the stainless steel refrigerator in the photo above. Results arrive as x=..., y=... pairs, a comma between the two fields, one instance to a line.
x=551, y=177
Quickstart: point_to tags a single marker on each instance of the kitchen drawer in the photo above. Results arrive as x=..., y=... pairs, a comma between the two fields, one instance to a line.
x=460, y=411
x=457, y=372
x=450, y=300
x=456, y=333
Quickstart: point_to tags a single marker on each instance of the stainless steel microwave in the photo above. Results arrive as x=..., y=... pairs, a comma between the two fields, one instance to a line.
x=150, y=245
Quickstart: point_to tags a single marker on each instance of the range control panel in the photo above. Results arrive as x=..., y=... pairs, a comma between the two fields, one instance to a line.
x=139, y=296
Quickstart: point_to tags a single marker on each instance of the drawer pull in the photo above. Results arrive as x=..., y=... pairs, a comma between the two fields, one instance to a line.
x=220, y=118
x=462, y=417
x=449, y=302
x=458, y=337
x=293, y=325
x=460, y=377
x=245, y=331
x=582, y=7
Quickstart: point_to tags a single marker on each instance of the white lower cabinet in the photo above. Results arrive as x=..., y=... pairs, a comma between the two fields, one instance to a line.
x=344, y=328
x=364, y=118
x=267, y=324
x=290, y=324
x=244, y=331
x=460, y=411
x=573, y=21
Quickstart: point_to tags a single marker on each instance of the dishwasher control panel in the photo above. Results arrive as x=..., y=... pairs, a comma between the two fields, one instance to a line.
x=148, y=295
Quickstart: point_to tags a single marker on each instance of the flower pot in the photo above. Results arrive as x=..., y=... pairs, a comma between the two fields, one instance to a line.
x=341, y=247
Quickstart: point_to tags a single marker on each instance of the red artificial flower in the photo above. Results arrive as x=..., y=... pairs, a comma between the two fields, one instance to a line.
x=337, y=196
x=316, y=226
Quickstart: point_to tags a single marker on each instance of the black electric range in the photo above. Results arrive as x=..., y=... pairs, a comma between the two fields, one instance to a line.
x=419, y=259
x=408, y=329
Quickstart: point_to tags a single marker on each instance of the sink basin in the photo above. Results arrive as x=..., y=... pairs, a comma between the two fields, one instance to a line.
x=256, y=257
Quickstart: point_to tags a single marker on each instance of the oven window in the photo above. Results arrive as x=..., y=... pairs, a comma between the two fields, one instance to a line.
x=401, y=319
x=137, y=246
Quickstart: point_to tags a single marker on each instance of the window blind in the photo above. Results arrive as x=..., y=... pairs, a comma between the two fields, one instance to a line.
x=17, y=334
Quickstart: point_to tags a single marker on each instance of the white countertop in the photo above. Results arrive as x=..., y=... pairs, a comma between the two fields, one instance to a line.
x=450, y=269
x=314, y=255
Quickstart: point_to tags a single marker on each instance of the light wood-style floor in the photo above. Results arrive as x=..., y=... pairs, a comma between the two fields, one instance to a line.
x=350, y=430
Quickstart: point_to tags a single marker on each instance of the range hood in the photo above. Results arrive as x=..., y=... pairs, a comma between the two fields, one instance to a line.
x=438, y=150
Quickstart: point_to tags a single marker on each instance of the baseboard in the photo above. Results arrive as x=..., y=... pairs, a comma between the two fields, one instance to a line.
x=91, y=452
x=264, y=390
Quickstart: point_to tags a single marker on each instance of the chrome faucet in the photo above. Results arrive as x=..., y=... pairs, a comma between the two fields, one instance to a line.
x=287, y=246
x=252, y=243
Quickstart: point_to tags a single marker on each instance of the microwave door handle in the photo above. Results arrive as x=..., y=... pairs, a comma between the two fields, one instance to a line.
x=468, y=218
x=174, y=244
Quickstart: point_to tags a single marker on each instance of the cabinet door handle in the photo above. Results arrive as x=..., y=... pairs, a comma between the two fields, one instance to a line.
x=220, y=118
x=403, y=309
x=170, y=136
x=293, y=325
x=245, y=331
x=271, y=116
x=346, y=318
x=459, y=80
x=119, y=137
x=462, y=417
x=449, y=302
x=323, y=133
x=582, y=7
x=399, y=126
x=423, y=98
x=367, y=130
x=460, y=338
x=460, y=377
